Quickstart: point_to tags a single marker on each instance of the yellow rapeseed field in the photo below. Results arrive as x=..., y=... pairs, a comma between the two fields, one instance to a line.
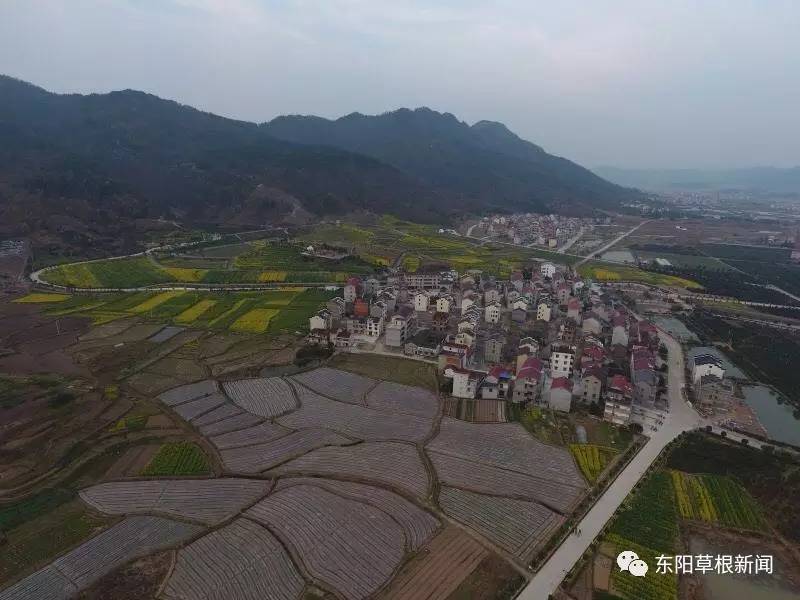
x=254, y=321
x=37, y=298
x=186, y=275
x=151, y=303
x=270, y=276
x=191, y=314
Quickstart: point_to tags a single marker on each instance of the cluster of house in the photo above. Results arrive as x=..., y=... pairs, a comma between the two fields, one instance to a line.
x=531, y=228
x=543, y=337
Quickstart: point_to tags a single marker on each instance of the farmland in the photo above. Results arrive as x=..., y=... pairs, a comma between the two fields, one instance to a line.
x=271, y=312
x=703, y=485
x=648, y=525
x=180, y=458
x=608, y=272
x=592, y=459
x=716, y=499
x=423, y=244
x=349, y=492
x=253, y=262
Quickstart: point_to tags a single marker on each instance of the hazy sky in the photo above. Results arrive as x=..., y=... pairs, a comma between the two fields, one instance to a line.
x=626, y=83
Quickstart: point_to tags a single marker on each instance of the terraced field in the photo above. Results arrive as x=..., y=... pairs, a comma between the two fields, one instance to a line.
x=352, y=547
x=265, y=397
x=343, y=491
x=418, y=525
x=260, y=457
x=449, y=559
x=487, y=479
x=258, y=433
x=78, y=569
x=506, y=446
x=241, y=561
x=403, y=399
x=515, y=525
x=341, y=385
x=355, y=421
x=207, y=501
x=389, y=463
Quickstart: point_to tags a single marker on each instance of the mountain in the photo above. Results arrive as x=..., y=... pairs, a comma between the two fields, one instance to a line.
x=484, y=162
x=91, y=172
x=770, y=180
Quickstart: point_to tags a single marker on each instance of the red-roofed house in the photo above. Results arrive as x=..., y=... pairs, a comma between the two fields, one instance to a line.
x=497, y=384
x=529, y=381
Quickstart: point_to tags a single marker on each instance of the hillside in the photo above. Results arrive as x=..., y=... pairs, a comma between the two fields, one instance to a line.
x=91, y=174
x=485, y=162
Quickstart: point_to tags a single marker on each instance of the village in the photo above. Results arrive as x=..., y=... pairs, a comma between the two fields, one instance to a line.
x=543, y=338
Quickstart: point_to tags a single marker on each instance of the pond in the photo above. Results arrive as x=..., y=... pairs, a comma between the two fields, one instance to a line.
x=731, y=370
x=741, y=587
x=778, y=419
x=619, y=256
x=675, y=328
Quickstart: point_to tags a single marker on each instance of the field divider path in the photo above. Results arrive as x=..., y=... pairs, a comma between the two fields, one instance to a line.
x=436, y=485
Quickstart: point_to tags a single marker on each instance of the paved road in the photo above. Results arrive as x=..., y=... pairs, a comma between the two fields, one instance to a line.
x=609, y=245
x=571, y=241
x=680, y=418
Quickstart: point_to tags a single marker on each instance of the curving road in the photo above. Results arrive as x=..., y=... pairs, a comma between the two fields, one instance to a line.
x=680, y=418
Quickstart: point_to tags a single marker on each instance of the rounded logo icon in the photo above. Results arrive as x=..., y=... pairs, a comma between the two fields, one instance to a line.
x=638, y=568
x=625, y=558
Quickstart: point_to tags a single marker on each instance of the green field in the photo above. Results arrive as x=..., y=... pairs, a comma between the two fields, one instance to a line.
x=289, y=308
x=122, y=273
x=716, y=499
x=423, y=244
x=647, y=524
x=600, y=271
x=251, y=262
x=178, y=458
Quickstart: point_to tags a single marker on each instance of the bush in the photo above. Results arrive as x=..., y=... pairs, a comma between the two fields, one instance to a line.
x=61, y=399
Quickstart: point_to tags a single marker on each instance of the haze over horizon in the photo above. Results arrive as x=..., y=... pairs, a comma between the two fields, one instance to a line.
x=628, y=84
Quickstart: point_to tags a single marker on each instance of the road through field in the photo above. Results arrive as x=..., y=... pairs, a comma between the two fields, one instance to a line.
x=680, y=418
x=613, y=242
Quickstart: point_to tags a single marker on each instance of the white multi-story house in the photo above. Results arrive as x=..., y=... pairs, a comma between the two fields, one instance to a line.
x=400, y=327
x=421, y=301
x=706, y=364
x=443, y=304
x=321, y=320
x=492, y=313
x=562, y=361
x=548, y=269
x=465, y=337
x=465, y=382
x=543, y=311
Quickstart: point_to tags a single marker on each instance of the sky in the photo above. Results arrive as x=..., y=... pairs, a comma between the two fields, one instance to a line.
x=630, y=83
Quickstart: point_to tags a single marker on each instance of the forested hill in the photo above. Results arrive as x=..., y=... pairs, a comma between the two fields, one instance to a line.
x=484, y=161
x=96, y=169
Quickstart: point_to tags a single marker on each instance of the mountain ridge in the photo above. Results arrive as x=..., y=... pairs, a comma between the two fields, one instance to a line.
x=92, y=168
